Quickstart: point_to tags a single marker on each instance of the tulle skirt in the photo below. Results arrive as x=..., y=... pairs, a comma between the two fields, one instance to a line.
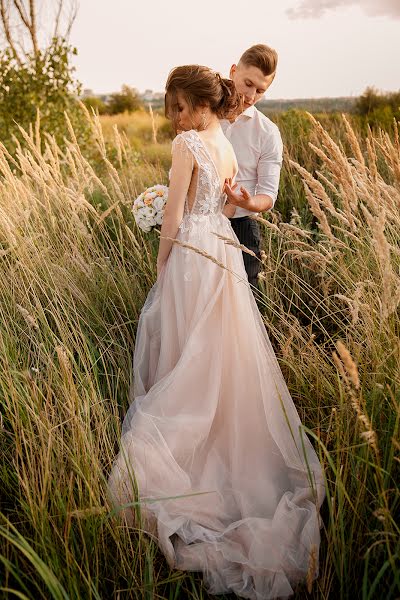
x=229, y=484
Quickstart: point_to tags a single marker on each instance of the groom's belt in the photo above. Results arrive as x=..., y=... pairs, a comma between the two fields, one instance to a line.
x=238, y=219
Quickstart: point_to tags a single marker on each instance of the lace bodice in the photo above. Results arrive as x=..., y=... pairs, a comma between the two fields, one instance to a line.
x=208, y=199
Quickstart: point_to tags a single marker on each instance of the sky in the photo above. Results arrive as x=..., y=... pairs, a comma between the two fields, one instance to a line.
x=325, y=47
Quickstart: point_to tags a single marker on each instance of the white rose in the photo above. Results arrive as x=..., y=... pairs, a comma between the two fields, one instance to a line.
x=152, y=221
x=138, y=203
x=148, y=211
x=144, y=225
x=140, y=214
x=159, y=217
x=158, y=203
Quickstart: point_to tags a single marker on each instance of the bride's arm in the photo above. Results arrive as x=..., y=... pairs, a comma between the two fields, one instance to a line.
x=180, y=177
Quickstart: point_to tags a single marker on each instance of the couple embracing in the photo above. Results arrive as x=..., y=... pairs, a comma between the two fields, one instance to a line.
x=212, y=445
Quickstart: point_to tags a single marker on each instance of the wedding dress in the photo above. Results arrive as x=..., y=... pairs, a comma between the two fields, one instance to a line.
x=212, y=420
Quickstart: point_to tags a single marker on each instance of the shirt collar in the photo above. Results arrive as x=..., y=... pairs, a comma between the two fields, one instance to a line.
x=250, y=112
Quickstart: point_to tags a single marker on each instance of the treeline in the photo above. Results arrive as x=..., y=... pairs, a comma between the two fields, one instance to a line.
x=373, y=109
x=373, y=104
x=127, y=100
x=378, y=108
x=312, y=105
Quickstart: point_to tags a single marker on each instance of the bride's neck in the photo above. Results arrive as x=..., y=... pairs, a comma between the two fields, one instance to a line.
x=213, y=124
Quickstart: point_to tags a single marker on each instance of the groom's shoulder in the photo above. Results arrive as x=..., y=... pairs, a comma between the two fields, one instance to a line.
x=265, y=123
x=268, y=134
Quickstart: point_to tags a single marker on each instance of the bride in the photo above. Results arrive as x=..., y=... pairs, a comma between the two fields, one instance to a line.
x=212, y=445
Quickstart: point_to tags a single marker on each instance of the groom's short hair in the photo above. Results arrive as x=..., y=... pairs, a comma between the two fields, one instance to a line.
x=260, y=56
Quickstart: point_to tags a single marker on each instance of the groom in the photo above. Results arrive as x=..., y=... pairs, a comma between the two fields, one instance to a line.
x=257, y=143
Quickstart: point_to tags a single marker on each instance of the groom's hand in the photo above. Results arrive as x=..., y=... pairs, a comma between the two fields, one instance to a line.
x=258, y=203
x=241, y=199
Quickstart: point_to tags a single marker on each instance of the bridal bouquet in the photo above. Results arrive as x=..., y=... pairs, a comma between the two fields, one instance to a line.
x=148, y=208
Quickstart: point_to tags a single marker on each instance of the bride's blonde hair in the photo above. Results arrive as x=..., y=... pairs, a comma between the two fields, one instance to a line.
x=201, y=86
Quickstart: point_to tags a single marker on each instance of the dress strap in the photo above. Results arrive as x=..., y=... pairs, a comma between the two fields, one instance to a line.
x=191, y=141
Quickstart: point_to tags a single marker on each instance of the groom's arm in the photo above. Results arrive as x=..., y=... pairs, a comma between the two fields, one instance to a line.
x=239, y=196
x=268, y=174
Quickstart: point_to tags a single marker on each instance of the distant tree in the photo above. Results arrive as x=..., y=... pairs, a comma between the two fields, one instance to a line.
x=373, y=99
x=22, y=28
x=127, y=100
x=44, y=82
x=35, y=78
x=96, y=103
x=378, y=109
x=368, y=101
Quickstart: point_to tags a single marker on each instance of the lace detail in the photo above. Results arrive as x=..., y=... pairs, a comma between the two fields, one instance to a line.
x=208, y=199
x=206, y=215
x=198, y=224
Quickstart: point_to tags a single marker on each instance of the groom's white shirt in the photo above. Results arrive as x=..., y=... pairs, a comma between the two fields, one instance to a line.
x=258, y=146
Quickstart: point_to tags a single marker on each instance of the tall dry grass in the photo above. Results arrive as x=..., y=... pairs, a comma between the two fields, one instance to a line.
x=75, y=273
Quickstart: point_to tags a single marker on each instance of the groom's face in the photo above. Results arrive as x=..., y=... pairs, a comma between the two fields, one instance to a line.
x=250, y=82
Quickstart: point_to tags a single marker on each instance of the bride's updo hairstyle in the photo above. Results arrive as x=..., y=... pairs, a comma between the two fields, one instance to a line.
x=201, y=86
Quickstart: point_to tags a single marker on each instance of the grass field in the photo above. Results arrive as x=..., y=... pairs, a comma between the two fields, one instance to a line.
x=75, y=273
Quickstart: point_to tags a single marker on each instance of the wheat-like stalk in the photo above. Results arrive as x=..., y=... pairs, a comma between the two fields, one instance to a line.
x=312, y=566
x=201, y=253
x=230, y=242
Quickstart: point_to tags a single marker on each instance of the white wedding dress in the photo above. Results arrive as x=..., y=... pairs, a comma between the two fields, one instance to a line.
x=212, y=420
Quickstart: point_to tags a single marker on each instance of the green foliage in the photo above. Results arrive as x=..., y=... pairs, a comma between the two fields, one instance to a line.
x=127, y=100
x=378, y=109
x=44, y=83
x=93, y=102
x=296, y=125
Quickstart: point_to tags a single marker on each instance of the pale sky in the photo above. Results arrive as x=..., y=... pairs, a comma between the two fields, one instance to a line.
x=325, y=47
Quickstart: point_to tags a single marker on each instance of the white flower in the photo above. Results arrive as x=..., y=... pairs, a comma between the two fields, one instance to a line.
x=148, y=211
x=149, y=218
x=144, y=224
x=158, y=203
x=159, y=217
x=148, y=208
x=138, y=204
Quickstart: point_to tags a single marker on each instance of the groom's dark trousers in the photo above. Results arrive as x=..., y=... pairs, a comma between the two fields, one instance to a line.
x=248, y=234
